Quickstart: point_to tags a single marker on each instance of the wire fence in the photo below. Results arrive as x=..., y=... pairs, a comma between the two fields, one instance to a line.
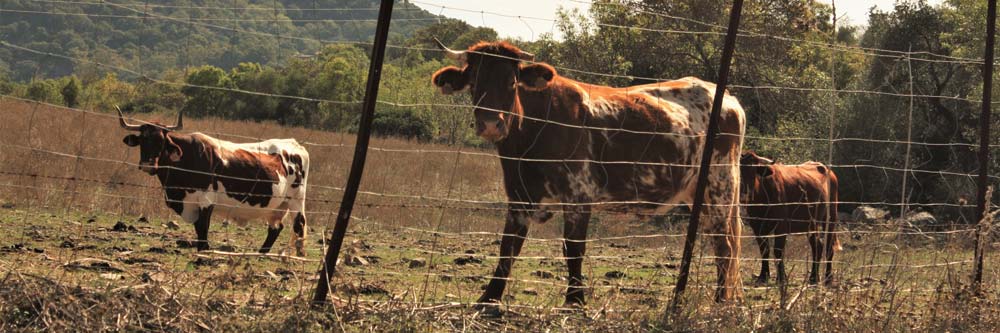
x=425, y=232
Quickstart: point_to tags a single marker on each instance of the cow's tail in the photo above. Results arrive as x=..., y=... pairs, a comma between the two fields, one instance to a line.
x=834, y=196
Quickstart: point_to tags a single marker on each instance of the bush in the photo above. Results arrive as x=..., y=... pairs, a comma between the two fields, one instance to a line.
x=405, y=123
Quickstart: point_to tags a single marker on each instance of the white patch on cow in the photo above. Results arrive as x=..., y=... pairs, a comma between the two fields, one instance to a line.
x=543, y=214
x=600, y=107
x=272, y=146
x=583, y=185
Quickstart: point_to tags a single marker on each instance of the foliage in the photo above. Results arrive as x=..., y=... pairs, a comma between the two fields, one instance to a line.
x=157, y=36
x=71, y=92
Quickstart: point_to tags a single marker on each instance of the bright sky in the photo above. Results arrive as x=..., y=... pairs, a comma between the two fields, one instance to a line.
x=540, y=19
x=856, y=11
x=502, y=15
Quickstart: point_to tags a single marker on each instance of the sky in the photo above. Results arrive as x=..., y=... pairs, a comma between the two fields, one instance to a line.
x=856, y=11
x=502, y=15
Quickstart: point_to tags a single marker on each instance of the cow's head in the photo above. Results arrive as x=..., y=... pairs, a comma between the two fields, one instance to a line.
x=753, y=167
x=156, y=147
x=493, y=73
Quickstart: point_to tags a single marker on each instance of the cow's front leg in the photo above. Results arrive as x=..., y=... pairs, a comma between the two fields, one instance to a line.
x=514, y=232
x=765, y=253
x=201, y=227
x=574, y=248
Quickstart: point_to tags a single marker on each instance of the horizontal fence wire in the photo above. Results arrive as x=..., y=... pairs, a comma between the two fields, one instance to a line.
x=875, y=236
x=492, y=202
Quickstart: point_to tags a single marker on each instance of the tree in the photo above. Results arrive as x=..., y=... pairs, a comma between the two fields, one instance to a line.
x=43, y=91
x=70, y=92
x=203, y=98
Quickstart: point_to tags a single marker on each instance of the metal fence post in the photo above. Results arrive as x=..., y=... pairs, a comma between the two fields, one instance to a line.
x=706, y=156
x=982, y=206
x=360, y=152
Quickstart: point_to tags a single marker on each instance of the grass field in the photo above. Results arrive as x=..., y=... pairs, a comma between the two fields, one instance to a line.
x=87, y=246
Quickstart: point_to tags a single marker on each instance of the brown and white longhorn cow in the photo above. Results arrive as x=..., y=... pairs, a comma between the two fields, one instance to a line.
x=571, y=146
x=241, y=182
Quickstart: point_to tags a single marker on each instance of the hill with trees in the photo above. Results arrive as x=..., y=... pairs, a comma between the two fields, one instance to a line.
x=154, y=36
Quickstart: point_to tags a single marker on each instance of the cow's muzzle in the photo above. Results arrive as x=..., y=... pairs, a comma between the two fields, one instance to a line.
x=491, y=130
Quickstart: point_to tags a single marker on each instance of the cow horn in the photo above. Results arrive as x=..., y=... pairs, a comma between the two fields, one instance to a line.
x=180, y=122
x=526, y=56
x=121, y=120
x=452, y=54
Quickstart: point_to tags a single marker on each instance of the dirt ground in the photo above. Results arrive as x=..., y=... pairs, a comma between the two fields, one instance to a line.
x=88, y=245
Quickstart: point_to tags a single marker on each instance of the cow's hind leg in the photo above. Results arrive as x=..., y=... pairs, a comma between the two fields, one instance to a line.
x=299, y=234
x=274, y=227
x=273, y=230
x=779, y=256
x=201, y=227
x=723, y=222
x=816, y=246
x=297, y=210
x=574, y=248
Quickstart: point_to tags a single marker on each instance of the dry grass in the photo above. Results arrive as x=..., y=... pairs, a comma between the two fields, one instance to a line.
x=65, y=268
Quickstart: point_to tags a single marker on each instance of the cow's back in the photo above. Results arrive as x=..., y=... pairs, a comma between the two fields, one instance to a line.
x=662, y=126
x=254, y=180
x=792, y=197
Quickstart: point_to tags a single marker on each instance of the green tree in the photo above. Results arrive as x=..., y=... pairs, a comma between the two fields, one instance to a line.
x=44, y=91
x=71, y=92
x=207, y=92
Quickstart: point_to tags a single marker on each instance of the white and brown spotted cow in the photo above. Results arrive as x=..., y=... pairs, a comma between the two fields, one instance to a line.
x=238, y=181
x=571, y=146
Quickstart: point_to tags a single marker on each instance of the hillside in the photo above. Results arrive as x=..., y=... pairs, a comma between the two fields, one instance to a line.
x=160, y=35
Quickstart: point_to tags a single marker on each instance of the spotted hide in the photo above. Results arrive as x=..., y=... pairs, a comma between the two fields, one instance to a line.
x=202, y=176
x=783, y=199
x=574, y=147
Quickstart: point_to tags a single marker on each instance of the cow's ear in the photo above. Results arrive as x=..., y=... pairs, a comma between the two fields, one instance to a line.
x=536, y=76
x=450, y=80
x=131, y=140
x=173, y=151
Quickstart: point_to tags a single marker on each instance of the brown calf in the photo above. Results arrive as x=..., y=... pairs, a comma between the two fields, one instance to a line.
x=785, y=199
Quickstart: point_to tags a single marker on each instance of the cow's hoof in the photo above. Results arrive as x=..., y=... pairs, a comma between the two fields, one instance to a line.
x=264, y=250
x=300, y=253
x=572, y=306
x=574, y=302
x=762, y=279
x=488, y=308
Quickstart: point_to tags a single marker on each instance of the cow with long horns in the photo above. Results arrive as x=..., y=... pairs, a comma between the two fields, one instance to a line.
x=575, y=147
x=202, y=175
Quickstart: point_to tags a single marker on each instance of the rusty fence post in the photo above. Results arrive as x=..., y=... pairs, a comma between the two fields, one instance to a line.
x=706, y=156
x=360, y=152
x=982, y=207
